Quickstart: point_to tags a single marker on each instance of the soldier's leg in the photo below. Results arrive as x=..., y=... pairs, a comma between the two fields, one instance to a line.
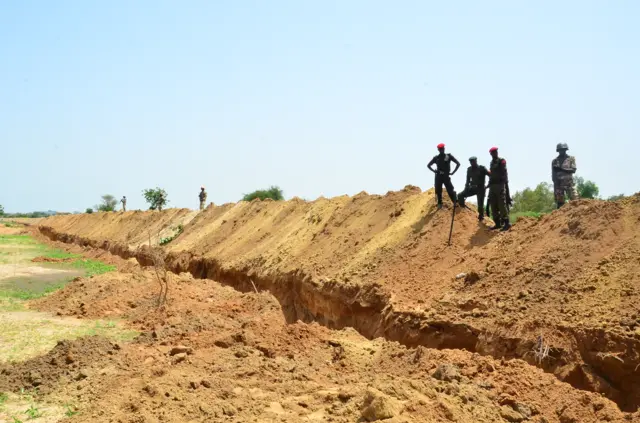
x=463, y=196
x=558, y=192
x=494, y=191
x=480, y=197
x=438, y=187
x=450, y=190
x=504, y=213
x=572, y=192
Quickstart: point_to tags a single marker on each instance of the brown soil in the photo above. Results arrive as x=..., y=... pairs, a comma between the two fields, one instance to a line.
x=215, y=354
x=381, y=265
x=42, y=259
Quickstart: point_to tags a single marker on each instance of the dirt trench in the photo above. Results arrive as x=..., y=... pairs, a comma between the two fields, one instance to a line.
x=591, y=365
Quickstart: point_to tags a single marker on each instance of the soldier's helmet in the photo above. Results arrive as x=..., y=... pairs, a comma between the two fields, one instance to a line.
x=473, y=159
x=562, y=146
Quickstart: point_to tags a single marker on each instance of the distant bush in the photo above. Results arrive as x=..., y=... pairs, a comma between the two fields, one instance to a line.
x=616, y=197
x=157, y=198
x=1, y=210
x=537, y=200
x=274, y=193
x=179, y=229
x=586, y=189
x=89, y=210
x=108, y=203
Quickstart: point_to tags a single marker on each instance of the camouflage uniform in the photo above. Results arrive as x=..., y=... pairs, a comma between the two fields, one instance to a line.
x=475, y=185
x=203, y=199
x=498, y=180
x=124, y=204
x=562, y=169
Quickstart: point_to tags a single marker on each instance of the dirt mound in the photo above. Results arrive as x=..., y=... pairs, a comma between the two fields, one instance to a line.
x=68, y=361
x=215, y=354
x=381, y=264
x=42, y=259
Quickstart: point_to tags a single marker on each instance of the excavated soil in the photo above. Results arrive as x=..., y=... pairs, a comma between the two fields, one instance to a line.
x=560, y=293
x=214, y=354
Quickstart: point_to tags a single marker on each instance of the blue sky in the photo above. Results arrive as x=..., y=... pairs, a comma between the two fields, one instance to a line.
x=318, y=97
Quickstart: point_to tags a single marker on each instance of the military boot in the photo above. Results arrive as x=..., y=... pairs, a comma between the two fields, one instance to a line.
x=496, y=226
x=507, y=225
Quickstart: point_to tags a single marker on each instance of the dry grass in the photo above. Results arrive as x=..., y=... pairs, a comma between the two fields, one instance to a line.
x=27, y=334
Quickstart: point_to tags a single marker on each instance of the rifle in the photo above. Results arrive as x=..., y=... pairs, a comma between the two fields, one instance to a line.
x=453, y=216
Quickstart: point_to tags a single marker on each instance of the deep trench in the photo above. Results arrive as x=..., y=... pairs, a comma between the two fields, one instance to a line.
x=368, y=310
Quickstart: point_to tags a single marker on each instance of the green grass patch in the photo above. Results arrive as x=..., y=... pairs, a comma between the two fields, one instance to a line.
x=92, y=267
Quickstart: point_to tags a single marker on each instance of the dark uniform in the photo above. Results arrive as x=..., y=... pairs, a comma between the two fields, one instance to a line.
x=443, y=175
x=498, y=183
x=124, y=203
x=475, y=185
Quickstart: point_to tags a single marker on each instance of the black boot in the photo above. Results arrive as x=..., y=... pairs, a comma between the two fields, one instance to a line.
x=496, y=226
x=507, y=225
x=480, y=218
x=560, y=204
x=439, y=206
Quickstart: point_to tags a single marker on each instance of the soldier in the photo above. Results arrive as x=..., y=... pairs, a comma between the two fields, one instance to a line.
x=203, y=197
x=443, y=173
x=124, y=203
x=499, y=190
x=562, y=169
x=475, y=185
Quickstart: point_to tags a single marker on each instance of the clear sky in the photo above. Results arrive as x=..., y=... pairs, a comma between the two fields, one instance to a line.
x=319, y=97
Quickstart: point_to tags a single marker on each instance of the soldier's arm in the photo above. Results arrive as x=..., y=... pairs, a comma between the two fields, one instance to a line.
x=453, y=159
x=430, y=165
x=572, y=165
x=554, y=171
x=468, y=183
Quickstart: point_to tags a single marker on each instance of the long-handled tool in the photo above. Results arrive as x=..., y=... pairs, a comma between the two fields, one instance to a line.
x=453, y=216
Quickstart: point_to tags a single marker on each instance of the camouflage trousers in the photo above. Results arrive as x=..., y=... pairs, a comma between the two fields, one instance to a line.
x=565, y=188
x=498, y=202
x=202, y=204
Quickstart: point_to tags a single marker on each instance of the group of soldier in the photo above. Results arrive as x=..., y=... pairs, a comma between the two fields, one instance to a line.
x=202, y=196
x=563, y=168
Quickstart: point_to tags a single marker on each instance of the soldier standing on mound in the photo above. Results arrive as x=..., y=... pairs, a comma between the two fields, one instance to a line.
x=499, y=190
x=443, y=173
x=203, y=197
x=562, y=169
x=124, y=203
x=475, y=185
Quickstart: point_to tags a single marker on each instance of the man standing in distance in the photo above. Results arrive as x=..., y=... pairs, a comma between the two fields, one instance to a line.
x=499, y=190
x=124, y=203
x=443, y=173
x=475, y=185
x=203, y=197
x=562, y=169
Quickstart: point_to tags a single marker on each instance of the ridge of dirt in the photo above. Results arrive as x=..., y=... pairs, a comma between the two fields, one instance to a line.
x=214, y=354
x=380, y=264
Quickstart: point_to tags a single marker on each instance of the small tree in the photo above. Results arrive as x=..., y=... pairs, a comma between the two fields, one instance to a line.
x=274, y=193
x=89, y=210
x=1, y=210
x=108, y=203
x=157, y=198
x=586, y=189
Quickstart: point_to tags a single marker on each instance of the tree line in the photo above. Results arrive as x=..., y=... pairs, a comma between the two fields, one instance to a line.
x=540, y=200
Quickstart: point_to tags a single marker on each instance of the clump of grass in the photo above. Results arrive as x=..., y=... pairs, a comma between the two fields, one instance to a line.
x=33, y=413
x=179, y=229
x=93, y=267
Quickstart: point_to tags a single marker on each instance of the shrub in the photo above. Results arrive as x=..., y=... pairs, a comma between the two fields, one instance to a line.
x=108, y=203
x=89, y=210
x=157, y=198
x=274, y=193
